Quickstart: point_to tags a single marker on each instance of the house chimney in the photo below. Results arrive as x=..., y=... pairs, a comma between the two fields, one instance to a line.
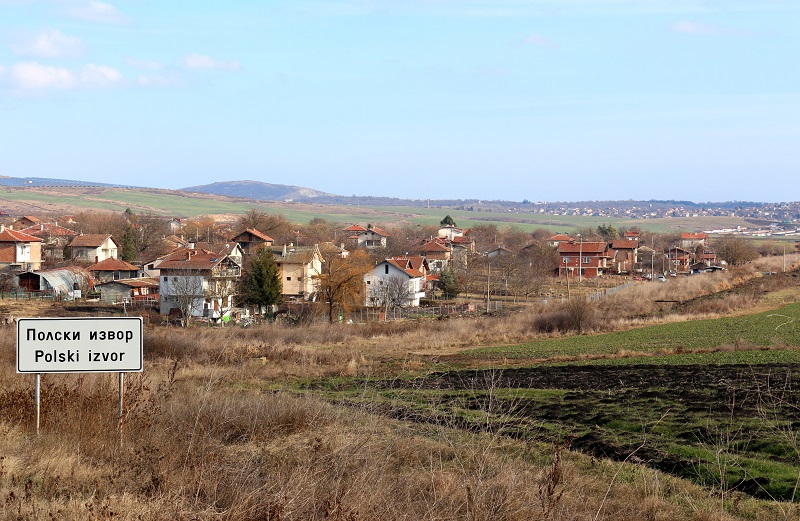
x=2, y=228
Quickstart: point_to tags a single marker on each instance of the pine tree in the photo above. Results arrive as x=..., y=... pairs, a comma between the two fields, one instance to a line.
x=261, y=283
x=128, y=248
x=447, y=221
x=448, y=283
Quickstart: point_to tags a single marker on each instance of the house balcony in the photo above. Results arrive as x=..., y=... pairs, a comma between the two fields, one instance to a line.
x=226, y=273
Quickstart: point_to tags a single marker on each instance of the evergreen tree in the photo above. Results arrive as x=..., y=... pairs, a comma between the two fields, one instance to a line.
x=128, y=247
x=447, y=221
x=448, y=283
x=261, y=283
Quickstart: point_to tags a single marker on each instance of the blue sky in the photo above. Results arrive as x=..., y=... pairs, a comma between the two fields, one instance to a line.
x=546, y=100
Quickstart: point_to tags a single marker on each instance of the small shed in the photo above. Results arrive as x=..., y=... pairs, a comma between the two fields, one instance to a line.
x=59, y=281
x=144, y=289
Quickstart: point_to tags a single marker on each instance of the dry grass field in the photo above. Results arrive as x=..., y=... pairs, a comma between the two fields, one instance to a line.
x=224, y=424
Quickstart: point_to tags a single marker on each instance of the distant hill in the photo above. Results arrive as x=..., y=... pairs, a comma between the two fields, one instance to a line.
x=260, y=191
x=44, y=181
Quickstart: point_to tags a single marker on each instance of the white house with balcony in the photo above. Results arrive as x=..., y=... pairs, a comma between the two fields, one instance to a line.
x=19, y=251
x=198, y=282
x=395, y=282
x=92, y=248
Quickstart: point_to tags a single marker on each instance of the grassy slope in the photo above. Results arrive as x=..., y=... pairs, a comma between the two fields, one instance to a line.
x=769, y=328
x=181, y=204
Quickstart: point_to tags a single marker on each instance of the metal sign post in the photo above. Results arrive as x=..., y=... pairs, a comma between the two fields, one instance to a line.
x=80, y=345
x=37, y=397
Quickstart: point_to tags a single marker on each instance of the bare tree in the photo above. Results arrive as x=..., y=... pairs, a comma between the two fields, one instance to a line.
x=186, y=290
x=274, y=225
x=735, y=250
x=341, y=283
x=391, y=292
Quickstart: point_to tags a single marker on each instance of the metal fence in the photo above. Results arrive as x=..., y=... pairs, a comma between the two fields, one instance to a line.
x=383, y=315
x=31, y=295
x=605, y=292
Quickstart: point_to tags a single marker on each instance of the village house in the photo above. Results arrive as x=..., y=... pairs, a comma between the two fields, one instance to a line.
x=299, y=267
x=200, y=282
x=623, y=255
x=54, y=238
x=250, y=239
x=679, y=259
x=450, y=232
x=129, y=291
x=113, y=269
x=25, y=221
x=583, y=259
x=437, y=253
x=369, y=237
x=557, y=239
x=19, y=251
x=690, y=241
x=92, y=248
x=396, y=282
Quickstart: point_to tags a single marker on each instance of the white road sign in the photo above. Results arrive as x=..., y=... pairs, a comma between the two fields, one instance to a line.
x=80, y=345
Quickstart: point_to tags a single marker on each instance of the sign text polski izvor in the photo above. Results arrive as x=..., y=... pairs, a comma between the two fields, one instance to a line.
x=79, y=345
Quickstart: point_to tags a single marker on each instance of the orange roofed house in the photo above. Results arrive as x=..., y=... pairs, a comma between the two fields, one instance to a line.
x=396, y=282
x=583, y=259
x=19, y=251
x=369, y=237
x=92, y=248
x=198, y=282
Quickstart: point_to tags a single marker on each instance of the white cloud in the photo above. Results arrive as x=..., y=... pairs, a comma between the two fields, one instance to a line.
x=99, y=76
x=95, y=11
x=34, y=76
x=37, y=76
x=203, y=62
x=540, y=41
x=49, y=43
x=690, y=27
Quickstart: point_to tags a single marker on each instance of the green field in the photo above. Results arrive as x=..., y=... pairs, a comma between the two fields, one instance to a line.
x=725, y=413
x=181, y=204
x=770, y=328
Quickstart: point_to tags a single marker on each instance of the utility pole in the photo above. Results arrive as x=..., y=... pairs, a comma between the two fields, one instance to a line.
x=488, y=274
x=580, y=259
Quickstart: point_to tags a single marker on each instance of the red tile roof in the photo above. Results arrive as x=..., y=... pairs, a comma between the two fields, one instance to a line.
x=404, y=267
x=113, y=265
x=432, y=247
x=49, y=229
x=560, y=238
x=90, y=240
x=694, y=236
x=190, y=259
x=355, y=228
x=585, y=247
x=258, y=234
x=12, y=236
x=624, y=244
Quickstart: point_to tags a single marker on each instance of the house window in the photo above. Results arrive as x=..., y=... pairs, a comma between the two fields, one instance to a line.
x=369, y=282
x=166, y=279
x=288, y=278
x=387, y=269
x=586, y=260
